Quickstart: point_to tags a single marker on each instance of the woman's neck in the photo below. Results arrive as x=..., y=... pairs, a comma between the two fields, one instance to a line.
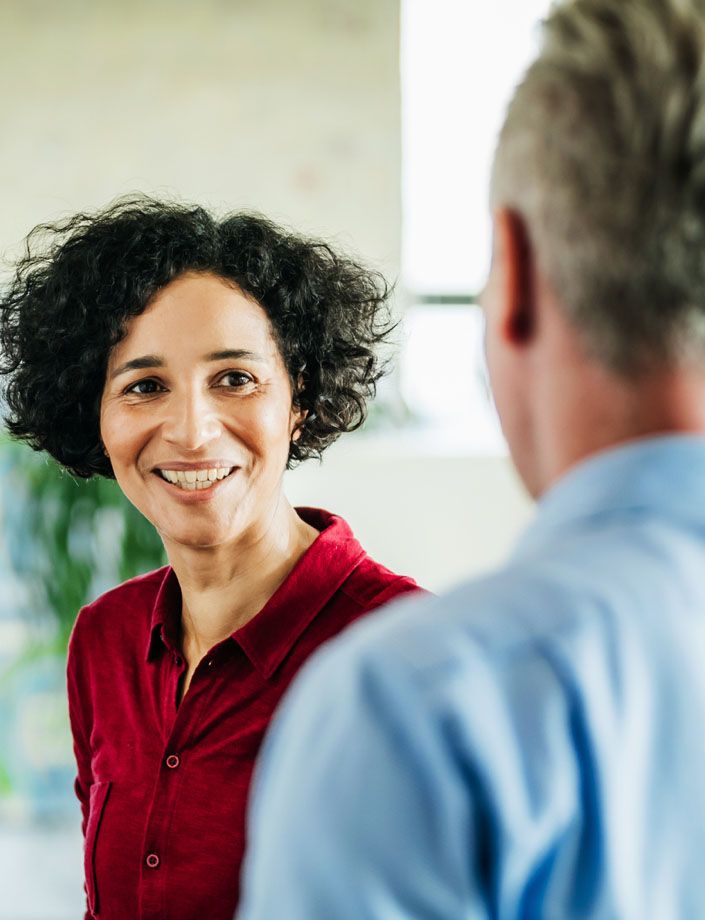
x=223, y=587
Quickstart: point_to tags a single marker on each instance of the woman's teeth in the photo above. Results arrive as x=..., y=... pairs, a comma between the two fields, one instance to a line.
x=195, y=479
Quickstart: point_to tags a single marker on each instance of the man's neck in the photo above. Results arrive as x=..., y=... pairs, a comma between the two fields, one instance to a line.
x=594, y=410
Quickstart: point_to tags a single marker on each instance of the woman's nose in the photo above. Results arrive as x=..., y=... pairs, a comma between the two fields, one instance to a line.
x=190, y=423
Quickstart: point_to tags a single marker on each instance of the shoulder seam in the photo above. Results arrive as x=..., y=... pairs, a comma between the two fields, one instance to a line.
x=139, y=581
x=384, y=590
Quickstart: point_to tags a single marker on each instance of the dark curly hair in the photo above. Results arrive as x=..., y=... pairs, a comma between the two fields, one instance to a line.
x=80, y=281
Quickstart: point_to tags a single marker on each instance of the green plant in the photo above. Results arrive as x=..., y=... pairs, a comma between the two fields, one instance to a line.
x=68, y=539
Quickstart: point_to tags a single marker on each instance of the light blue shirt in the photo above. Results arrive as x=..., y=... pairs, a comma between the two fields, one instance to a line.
x=531, y=745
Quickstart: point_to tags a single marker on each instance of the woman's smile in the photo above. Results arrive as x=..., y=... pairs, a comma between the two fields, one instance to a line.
x=196, y=482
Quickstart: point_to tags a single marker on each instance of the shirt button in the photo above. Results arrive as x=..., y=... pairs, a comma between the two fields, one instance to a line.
x=152, y=860
x=178, y=661
x=173, y=761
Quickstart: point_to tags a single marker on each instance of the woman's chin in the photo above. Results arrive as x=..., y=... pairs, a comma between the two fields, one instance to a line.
x=196, y=539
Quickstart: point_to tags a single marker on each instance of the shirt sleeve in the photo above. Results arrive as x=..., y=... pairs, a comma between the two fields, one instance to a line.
x=358, y=813
x=80, y=732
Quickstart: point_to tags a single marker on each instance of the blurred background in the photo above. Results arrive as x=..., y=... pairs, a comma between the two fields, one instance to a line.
x=368, y=122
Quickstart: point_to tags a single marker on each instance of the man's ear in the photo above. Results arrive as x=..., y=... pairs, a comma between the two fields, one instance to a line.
x=515, y=276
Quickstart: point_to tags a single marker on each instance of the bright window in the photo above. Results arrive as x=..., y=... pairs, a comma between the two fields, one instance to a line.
x=460, y=62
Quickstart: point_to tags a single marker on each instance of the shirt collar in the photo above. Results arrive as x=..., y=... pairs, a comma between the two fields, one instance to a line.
x=165, y=626
x=664, y=473
x=269, y=636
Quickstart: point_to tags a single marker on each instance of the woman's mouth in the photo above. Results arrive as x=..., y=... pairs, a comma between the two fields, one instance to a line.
x=195, y=480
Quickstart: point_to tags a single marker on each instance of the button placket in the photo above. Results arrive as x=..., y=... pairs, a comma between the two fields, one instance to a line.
x=181, y=726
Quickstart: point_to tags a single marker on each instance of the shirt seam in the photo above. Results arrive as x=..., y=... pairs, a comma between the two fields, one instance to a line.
x=351, y=595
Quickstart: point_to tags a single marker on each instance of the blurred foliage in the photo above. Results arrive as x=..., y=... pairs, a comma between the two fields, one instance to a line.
x=68, y=539
x=5, y=782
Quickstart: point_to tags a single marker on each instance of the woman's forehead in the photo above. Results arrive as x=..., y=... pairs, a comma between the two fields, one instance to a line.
x=199, y=315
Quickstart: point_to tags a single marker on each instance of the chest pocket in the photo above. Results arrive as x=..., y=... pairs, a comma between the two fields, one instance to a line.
x=98, y=798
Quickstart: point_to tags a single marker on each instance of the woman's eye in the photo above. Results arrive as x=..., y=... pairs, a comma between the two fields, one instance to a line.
x=235, y=380
x=144, y=388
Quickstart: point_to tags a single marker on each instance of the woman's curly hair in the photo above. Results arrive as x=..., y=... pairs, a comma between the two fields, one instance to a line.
x=81, y=281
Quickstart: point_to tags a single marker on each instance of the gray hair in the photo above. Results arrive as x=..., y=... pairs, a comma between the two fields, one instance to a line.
x=603, y=154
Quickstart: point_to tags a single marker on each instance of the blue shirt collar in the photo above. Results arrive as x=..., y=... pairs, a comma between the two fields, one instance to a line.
x=664, y=473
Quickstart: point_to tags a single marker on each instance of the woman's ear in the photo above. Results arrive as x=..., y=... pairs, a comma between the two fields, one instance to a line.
x=298, y=419
x=298, y=414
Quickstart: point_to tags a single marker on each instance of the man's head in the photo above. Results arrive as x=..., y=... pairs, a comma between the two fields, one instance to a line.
x=598, y=192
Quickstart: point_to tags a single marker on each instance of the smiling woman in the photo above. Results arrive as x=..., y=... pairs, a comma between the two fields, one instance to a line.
x=193, y=359
x=197, y=415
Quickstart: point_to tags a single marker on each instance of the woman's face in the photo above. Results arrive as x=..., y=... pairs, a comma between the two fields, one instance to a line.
x=196, y=413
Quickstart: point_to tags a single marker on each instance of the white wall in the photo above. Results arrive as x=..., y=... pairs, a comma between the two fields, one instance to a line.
x=290, y=107
x=437, y=518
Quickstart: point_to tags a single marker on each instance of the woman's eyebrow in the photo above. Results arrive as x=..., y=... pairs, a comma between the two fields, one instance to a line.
x=235, y=353
x=138, y=364
x=150, y=361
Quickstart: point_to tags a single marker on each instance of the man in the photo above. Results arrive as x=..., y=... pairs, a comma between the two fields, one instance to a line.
x=532, y=744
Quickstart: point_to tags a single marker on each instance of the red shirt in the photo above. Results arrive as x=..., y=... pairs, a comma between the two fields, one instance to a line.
x=164, y=789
